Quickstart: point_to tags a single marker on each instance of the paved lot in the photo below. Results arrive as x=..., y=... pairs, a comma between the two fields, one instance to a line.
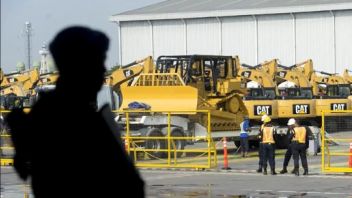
x=241, y=181
x=233, y=184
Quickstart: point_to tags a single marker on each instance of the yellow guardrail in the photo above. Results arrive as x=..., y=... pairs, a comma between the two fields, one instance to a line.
x=202, y=158
x=336, y=146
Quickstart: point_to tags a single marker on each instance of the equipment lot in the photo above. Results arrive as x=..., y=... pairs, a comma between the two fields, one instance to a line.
x=242, y=180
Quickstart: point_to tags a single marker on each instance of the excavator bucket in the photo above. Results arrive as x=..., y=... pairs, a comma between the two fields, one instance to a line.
x=162, y=98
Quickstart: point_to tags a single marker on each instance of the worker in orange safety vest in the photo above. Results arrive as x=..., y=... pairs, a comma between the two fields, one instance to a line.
x=268, y=143
x=299, y=145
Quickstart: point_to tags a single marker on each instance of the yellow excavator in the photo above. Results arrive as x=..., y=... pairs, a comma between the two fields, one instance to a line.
x=332, y=92
x=295, y=96
x=261, y=97
x=16, y=88
x=348, y=78
x=185, y=84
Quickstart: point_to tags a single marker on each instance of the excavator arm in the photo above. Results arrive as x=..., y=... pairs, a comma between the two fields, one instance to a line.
x=119, y=77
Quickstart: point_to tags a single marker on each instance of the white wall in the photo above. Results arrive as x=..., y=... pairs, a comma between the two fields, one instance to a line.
x=343, y=24
x=203, y=36
x=273, y=36
x=169, y=38
x=238, y=38
x=315, y=39
x=136, y=41
x=276, y=38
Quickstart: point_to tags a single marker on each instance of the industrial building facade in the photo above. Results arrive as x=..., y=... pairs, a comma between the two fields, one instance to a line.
x=255, y=30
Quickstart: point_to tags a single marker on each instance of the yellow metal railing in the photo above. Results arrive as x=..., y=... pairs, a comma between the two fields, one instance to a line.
x=205, y=157
x=329, y=152
x=159, y=79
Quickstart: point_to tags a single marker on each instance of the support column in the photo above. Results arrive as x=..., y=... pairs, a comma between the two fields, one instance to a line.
x=151, y=38
x=256, y=38
x=334, y=38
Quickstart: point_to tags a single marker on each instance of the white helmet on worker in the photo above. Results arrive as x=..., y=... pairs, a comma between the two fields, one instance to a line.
x=291, y=121
x=266, y=118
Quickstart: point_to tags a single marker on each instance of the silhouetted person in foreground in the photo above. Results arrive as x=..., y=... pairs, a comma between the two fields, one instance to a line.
x=64, y=144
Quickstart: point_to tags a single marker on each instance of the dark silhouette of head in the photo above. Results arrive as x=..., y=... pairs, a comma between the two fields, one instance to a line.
x=79, y=54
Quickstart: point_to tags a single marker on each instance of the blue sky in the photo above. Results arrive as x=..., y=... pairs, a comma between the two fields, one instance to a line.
x=50, y=16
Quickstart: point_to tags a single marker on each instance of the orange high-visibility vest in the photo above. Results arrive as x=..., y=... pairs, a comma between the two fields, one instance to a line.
x=300, y=134
x=268, y=135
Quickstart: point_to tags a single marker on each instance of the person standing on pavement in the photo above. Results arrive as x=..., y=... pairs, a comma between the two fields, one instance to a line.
x=244, y=136
x=260, y=149
x=299, y=145
x=288, y=153
x=65, y=145
x=268, y=134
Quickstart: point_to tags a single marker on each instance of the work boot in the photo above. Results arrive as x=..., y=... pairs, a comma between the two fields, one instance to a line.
x=260, y=169
x=273, y=171
x=305, y=172
x=296, y=172
x=265, y=172
x=283, y=171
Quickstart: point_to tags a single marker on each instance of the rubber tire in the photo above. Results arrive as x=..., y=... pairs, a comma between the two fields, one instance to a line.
x=180, y=144
x=155, y=143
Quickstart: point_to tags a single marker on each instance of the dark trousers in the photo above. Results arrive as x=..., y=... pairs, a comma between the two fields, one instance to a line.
x=269, y=154
x=244, y=144
x=299, y=150
x=288, y=155
x=260, y=154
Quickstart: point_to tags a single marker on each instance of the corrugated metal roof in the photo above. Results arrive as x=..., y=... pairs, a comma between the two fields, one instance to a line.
x=177, y=9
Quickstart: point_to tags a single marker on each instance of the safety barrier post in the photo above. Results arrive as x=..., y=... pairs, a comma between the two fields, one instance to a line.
x=208, y=139
x=26, y=191
x=322, y=131
x=127, y=133
x=168, y=138
x=350, y=157
x=226, y=163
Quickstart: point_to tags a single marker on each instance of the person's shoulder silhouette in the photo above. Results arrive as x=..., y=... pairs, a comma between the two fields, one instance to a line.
x=72, y=151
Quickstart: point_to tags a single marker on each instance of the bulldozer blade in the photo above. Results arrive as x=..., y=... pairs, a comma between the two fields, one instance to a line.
x=161, y=98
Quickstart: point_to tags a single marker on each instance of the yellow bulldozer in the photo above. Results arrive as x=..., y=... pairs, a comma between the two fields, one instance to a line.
x=186, y=83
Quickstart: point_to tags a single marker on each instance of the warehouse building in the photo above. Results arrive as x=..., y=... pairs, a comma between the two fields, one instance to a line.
x=256, y=30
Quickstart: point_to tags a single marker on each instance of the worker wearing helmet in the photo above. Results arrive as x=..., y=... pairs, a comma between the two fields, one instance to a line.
x=260, y=151
x=268, y=144
x=288, y=153
x=299, y=145
x=244, y=136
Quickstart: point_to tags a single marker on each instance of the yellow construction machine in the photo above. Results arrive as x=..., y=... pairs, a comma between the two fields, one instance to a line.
x=261, y=96
x=348, y=79
x=332, y=92
x=17, y=88
x=295, y=96
x=182, y=85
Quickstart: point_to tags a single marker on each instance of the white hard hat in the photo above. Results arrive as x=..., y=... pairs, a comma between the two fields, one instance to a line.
x=291, y=121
